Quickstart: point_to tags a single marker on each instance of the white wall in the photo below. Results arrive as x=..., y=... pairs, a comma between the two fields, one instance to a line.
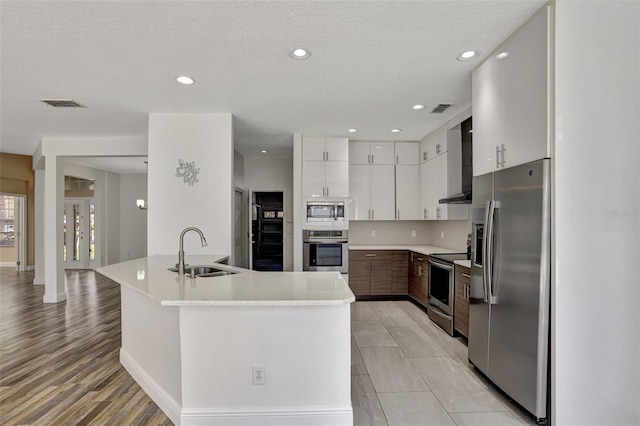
x=390, y=232
x=450, y=234
x=174, y=205
x=596, y=323
x=238, y=170
x=133, y=221
x=274, y=174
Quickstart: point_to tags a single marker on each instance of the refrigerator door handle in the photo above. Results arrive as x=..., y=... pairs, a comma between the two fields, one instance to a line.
x=485, y=250
x=489, y=266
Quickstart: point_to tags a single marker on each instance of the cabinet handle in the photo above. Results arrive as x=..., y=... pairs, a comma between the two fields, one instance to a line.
x=424, y=213
x=419, y=270
x=370, y=255
x=397, y=159
x=504, y=148
x=398, y=214
x=438, y=149
x=437, y=212
x=497, y=156
x=372, y=213
x=372, y=159
x=465, y=275
x=411, y=257
x=419, y=258
x=369, y=159
x=424, y=156
x=327, y=191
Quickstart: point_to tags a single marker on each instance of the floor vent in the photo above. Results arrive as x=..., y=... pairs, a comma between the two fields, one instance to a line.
x=62, y=103
x=440, y=108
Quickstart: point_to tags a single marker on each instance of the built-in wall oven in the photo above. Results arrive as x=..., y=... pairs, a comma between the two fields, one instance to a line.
x=441, y=289
x=325, y=250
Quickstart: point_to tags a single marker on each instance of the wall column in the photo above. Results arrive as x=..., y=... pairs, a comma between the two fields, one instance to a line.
x=39, y=227
x=54, y=286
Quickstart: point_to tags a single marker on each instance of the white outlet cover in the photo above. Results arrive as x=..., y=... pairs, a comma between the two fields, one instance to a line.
x=259, y=375
x=413, y=233
x=442, y=234
x=373, y=233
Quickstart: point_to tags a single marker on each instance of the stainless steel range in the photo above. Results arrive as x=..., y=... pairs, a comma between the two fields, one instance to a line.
x=441, y=288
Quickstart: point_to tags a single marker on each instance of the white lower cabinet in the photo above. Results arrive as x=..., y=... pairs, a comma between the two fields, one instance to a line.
x=408, y=192
x=372, y=192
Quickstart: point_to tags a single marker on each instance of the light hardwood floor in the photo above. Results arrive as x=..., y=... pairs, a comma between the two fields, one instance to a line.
x=59, y=363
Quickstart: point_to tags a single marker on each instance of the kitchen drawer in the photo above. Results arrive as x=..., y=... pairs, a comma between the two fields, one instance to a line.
x=371, y=255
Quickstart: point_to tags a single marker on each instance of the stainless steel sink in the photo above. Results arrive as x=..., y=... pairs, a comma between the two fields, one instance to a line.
x=204, y=271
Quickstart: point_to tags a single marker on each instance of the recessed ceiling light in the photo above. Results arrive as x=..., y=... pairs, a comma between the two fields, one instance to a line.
x=352, y=130
x=417, y=107
x=502, y=55
x=468, y=55
x=300, y=53
x=263, y=151
x=183, y=79
x=396, y=130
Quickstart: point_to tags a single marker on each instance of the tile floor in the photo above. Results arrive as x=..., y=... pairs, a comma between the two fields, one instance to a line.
x=407, y=371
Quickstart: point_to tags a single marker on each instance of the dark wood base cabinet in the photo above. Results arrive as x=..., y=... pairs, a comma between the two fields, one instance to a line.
x=418, y=278
x=378, y=272
x=461, y=304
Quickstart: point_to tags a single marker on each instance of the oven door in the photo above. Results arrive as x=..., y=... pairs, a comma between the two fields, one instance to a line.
x=326, y=256
x=441, y=286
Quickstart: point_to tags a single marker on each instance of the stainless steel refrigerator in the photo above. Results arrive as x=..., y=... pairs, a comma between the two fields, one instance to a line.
x=510, y=282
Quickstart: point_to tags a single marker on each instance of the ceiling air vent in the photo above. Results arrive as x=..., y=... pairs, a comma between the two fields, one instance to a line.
x=62, y=103
x=440, y=108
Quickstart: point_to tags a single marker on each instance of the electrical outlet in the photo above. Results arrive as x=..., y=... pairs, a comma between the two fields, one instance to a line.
x=373, y=233
x=442, y=235
x=413, y=233
x=259, y=375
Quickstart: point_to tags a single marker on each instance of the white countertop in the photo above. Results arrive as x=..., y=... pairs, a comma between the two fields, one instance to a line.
x=150, y=276
x=466, y=263
x=426, y=250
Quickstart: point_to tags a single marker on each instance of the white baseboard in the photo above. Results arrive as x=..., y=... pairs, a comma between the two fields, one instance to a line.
x=54, y=298
x=166, y=403
x=30, y=268
x=308, y=416
x=8, y=265
x=281, y=416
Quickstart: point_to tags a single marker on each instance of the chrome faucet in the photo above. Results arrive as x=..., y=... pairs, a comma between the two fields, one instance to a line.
x=203, y=241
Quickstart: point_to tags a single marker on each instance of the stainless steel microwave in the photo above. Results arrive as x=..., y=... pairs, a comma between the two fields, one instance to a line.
x=325, y=211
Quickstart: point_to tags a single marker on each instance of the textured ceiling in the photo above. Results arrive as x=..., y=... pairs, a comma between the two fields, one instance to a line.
x=370, y=62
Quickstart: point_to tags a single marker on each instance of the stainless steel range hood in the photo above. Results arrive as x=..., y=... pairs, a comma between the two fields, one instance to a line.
x=465, y=196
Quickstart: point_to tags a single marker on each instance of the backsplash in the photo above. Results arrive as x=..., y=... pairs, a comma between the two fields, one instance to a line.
x=450, y=234
x=389, y=232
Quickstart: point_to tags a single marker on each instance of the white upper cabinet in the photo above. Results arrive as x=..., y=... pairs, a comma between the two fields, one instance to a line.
x=325, y=167
x=360, y=191
x=371, y=152
x=372, y=191
x=510, y=100
x=434, y=144
x=408, y=191
x=318, y=148
x=407, y=152
x=383, y=192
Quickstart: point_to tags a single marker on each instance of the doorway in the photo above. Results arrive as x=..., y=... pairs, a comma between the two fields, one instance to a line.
x=79, y=227
x=13, y=231
x=266, y=251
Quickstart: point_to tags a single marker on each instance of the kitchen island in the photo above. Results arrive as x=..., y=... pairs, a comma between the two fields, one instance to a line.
x=197, y=345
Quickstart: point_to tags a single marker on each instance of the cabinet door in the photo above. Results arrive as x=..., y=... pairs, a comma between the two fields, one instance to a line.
x=424, y=190
x=400, y=273
x=439, y=188
x=337, y=178
x=461, y=308
x=313, y=148
x=381, y=276
x=524, y=98
x=382, y=153
x=383, y=192
x=313, y=179
x=359, y=277
x=337, y=149
x=439, y=141
x=487, y=114
x=429, y=181
x=360, y=190
x=359, y=152
x=407, y=192
x=407, y=152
